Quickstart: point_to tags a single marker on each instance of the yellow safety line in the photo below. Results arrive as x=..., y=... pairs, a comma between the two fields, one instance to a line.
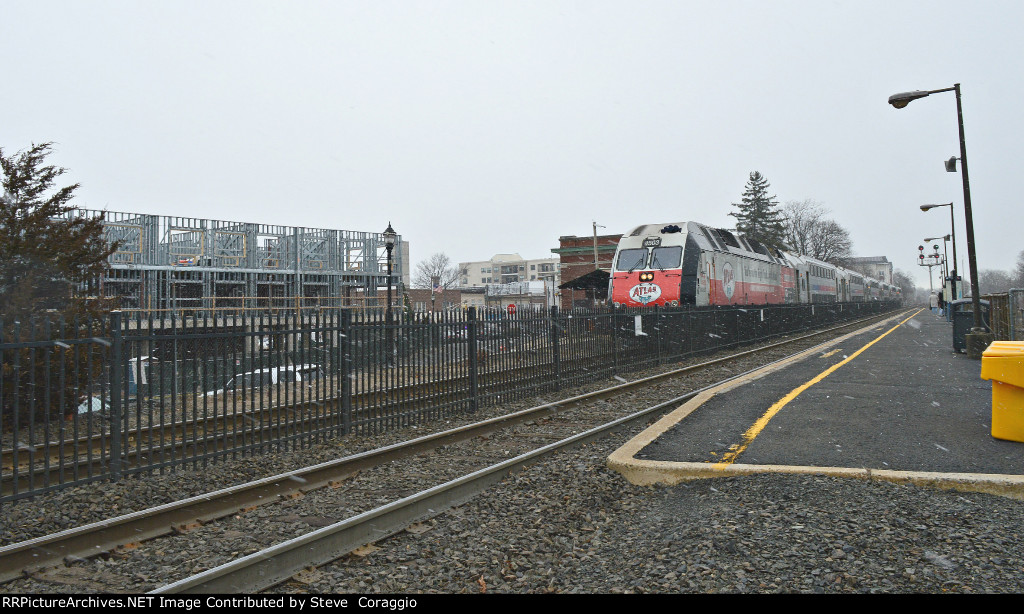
x=758, y=426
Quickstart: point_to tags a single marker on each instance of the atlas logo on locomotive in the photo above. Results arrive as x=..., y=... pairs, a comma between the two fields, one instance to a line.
x=645, y=293
x=728, y=280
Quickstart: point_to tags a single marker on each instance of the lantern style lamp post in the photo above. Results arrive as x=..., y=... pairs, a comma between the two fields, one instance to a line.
x=389, y=244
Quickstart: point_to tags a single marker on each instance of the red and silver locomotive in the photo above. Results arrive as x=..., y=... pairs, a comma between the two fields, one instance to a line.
x=688, y=263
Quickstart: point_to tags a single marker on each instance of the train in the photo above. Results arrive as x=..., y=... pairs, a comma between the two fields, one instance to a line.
x=689, y=263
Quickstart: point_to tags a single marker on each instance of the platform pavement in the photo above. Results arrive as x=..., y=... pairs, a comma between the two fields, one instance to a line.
x=892, y=401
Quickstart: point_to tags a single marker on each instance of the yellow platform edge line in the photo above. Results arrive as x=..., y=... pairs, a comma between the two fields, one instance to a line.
x=648, y=472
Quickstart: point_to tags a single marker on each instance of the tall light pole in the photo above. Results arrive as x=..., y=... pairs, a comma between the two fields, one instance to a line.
x=952, y=224
x=923, y=261
x=945, y=254
x=903, y=99
x=389, y=244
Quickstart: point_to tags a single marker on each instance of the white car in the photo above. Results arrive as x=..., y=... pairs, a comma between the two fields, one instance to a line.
x=94, y=404
x=270, y=376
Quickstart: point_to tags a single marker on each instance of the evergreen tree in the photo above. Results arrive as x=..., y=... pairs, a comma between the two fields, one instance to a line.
x=47, y=257
x=758, y=216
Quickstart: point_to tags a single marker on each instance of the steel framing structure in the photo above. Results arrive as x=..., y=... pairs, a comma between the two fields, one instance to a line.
x=187, y=263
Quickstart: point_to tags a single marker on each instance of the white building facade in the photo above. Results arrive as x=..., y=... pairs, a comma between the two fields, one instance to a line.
x=876, y=267
x=508, y=269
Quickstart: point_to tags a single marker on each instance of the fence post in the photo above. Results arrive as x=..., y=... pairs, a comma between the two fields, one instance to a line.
x=116, y=403
x=346, y=372
x=555, y=351
x=474, y=382
x=657, y=328
x=613, y=314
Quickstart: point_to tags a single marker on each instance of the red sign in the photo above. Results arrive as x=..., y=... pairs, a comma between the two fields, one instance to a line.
x=511, y=309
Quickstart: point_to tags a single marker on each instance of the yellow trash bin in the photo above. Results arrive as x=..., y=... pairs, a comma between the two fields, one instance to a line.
x=1003, y=363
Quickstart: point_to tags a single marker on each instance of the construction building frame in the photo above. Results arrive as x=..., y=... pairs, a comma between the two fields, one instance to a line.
x=187, y=264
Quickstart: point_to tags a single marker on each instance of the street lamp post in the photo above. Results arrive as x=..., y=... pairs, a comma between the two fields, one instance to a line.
x=945, y=260
x=952, y=224
x=903, y=99
x=389, y=244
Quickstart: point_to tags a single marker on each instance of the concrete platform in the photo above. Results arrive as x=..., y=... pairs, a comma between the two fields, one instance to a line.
x=891, y=401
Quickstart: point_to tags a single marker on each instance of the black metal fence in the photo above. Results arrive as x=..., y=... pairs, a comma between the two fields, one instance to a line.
x=100, y=400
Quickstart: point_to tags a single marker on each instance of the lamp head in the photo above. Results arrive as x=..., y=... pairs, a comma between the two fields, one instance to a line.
x=390, y=235
x=903, y=99
x=951, y=164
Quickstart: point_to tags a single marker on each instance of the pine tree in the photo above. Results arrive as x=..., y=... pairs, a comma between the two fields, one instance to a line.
x=45, y=255
x=759, y=216
x=46, y=258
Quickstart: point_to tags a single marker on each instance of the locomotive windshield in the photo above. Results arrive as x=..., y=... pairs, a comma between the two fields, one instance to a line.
x=666, y=257
x=631, y=259
x=661, y=258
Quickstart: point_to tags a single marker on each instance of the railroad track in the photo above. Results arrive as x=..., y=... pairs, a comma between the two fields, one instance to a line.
x=26, y=558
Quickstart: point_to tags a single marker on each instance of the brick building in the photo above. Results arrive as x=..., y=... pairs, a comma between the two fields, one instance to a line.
x=582, y=285
x=423, y=300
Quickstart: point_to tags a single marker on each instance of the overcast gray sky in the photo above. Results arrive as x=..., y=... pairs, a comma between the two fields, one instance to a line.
x=480, y=127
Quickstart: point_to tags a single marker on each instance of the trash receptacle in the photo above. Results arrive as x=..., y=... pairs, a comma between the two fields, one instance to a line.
x=1003, y=363
x=963, y=321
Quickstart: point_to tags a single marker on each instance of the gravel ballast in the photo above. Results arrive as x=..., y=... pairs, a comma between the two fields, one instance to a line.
x=572, y=525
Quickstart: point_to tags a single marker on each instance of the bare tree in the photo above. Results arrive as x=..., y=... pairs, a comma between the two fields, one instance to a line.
x=990, y=281
x=907, y=286
x=1018, y=273
x=831, y=242
x=811, y=233
x=438, y=265
x=801, y=218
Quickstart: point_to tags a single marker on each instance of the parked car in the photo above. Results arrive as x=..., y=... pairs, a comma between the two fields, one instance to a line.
x=456, y=334
x=95, y=404
x=270, y=376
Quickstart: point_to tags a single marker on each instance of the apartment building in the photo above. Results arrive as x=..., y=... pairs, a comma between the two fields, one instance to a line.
x=876, y=267
x=508, y=269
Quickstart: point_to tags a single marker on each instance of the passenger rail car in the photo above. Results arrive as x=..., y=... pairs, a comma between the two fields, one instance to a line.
x=688, y=263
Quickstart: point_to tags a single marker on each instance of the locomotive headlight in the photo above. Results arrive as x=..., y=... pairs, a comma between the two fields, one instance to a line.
x=648, y=276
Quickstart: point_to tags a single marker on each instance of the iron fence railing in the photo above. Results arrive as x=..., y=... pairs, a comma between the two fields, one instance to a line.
x=84, y=401
x=1006, y=311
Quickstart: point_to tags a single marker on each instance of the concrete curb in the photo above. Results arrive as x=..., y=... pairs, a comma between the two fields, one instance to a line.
x=649, y=472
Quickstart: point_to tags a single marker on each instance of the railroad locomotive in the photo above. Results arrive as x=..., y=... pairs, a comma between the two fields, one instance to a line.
x=688, y=263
